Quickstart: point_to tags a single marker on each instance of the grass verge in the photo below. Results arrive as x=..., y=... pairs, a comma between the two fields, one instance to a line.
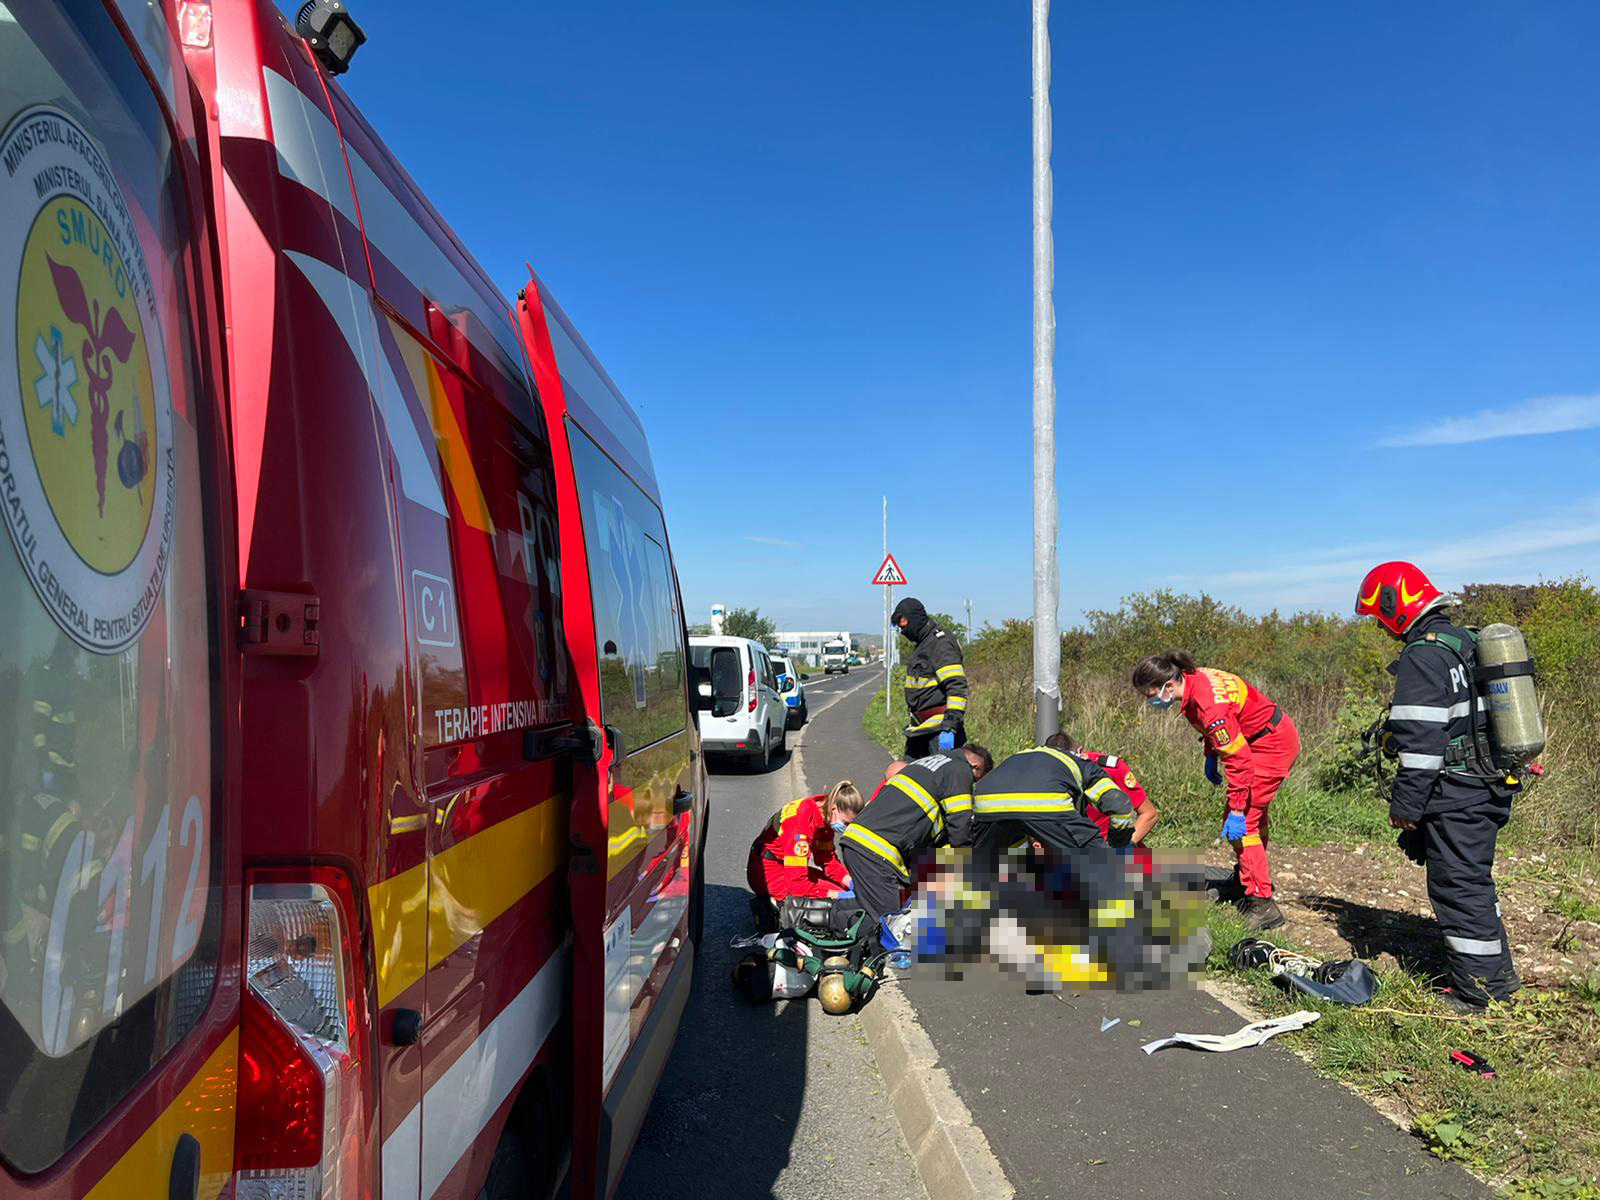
x=1533, y=1130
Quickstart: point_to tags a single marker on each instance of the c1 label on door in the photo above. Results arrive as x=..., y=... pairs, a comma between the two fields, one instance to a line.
x=434, y=603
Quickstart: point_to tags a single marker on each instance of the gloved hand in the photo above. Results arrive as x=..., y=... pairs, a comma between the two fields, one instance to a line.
x=1213, y=770
x=1412, y=846
x=844, y=896
x=947, y=739
x=1233, y=827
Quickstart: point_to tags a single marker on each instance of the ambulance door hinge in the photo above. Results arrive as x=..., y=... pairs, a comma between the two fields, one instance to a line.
x=279, y=623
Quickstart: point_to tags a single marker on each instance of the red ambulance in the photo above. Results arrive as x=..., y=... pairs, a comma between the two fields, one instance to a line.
x=351, y=808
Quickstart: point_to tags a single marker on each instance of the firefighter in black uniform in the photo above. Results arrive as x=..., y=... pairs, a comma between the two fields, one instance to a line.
x=1041, y=794
x=936, y=683
x=927, y=804
x=1447, y=800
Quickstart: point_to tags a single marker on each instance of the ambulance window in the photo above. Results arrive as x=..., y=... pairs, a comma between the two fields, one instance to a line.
x=638, y=628
x=110, y=895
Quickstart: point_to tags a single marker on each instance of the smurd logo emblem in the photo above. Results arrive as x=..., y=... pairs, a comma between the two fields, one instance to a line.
x=86, y=464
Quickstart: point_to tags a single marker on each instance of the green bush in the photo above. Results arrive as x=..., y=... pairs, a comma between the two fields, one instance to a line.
x=1329, y=673
x=1344, y=764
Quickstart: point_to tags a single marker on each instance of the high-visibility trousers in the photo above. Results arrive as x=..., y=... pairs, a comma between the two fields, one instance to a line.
x=1272, y=758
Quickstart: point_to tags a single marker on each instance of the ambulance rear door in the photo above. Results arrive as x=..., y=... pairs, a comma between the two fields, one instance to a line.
x=635, y=821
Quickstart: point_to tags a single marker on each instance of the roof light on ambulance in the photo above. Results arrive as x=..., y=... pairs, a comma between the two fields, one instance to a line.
x=332, y=35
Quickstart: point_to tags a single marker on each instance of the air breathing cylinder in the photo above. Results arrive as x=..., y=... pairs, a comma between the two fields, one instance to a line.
x=1507, y=675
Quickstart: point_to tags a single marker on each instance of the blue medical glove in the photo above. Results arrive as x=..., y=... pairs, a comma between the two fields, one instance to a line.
x=1213, y=770
x=947, y=739
x=1233, y=827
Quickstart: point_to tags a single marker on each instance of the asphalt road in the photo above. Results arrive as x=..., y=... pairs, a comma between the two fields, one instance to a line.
x=1071, y=1111
x=778, y=1100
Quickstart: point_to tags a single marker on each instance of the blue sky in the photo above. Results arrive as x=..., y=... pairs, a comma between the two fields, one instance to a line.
x=1319, y=268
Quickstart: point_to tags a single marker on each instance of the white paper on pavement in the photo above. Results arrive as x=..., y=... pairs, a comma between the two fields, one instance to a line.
x=1250, y=1035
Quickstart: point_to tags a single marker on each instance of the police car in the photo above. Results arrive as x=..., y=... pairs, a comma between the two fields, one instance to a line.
x=792, y=688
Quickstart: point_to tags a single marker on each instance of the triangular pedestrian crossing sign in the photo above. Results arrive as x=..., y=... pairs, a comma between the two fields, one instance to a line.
x=890, y=573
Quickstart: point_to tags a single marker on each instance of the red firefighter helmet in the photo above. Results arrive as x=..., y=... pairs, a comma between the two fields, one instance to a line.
x=1396, y=593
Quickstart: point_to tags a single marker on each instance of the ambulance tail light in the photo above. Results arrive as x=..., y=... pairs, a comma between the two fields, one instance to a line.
x=300, y=1124
x=752, y=705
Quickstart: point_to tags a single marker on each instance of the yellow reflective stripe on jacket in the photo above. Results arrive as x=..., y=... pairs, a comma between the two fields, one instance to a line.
x=950, y=672
x=1232, y=747
x=1066, y=760
x=958, y=804
x=933, y=722
x=63, y=823
x=921, y=681
x=868, y=840
x=1096, y=790
x=791, y=861
x=1023, y=802
x=1122, y=820
x=925, y=801
x=1250, y=839
x=956, y=704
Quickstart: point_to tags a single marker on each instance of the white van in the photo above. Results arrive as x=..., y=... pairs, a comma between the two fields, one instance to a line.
x=747, y=717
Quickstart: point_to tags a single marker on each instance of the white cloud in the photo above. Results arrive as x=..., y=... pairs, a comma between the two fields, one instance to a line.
x=1542, y=414
x=768, y=541
x=1560, y=543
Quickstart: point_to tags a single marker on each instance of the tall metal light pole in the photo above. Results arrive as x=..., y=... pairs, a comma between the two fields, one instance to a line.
x=1046, y=578
x=888, y=644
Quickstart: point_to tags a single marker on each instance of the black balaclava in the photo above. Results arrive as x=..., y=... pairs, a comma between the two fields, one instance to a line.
x=916, y=618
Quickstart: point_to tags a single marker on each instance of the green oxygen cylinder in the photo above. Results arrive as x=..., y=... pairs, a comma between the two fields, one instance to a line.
x=1514, y=718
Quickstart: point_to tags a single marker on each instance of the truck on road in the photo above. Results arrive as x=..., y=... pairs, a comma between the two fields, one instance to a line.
x=836, y=657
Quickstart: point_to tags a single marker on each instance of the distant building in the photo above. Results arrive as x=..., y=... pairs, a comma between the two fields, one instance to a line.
x=808, y=646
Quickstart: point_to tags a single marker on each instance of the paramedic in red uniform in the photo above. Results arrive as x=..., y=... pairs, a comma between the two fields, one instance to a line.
x=1256, y=744
x=794, y=854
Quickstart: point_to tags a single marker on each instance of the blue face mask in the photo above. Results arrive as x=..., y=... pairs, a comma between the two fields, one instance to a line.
x=1157, y=702
x=837, y=826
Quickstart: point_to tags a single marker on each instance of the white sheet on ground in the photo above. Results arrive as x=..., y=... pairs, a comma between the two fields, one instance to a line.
x=1250, y=1035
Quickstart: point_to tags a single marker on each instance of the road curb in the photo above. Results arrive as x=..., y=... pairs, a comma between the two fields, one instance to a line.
x=952, y=1156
